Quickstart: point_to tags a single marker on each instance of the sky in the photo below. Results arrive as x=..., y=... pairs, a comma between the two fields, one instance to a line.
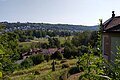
x=78, y=12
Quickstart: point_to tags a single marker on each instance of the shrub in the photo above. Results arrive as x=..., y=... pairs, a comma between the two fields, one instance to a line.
x=53, y=65
x=64, y=76
x=57, y=55
x=36, y=73
x=74, y=70
x=65, y=65
x=44, y=45
x=47, y=57
x=63, y=61
x=37, y=59
x=67, y=53
x=27, y=63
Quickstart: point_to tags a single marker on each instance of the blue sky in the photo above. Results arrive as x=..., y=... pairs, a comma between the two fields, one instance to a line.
x=82, y=12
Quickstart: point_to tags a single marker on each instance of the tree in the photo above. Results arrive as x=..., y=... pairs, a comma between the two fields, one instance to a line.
x=74, y=52
x=47, y=57
x=10, y=43
x=92, y=66
x=53, y=65
x=54, y=42
x=68, y=43
x=81, y=39
x=83, y=49
x=1, y=56
x=37, y=59
x=67, y=52
x=2, y=27
x=94, y=38
x=27, y=63
x=57, y=55
x=51, y=42
x=44, y=45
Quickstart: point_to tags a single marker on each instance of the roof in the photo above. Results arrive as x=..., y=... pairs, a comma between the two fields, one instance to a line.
x=112, y=24
x=52, y=50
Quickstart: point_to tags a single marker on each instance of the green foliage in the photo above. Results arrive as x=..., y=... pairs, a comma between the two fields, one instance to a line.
x=82, y=49
x=7, y=65
x=113, y=67
x=36, y=73
x=2, y=27
x=37, y=59
x=57, y=55
x=44, y=45
x=54, y=42
x=67, y=52
x=1, y=52
x=92, y=66
x=53, y=65
x=47, y=57
x=27, y=63
x=65, y=65
x=74, y=70
x=74, y=52
x=71, y=52
x=94, y=39
x=81, y=39
x=93, y=77
x=85, y=38
x=0, y=74
x=68, y=43
x=10, y=44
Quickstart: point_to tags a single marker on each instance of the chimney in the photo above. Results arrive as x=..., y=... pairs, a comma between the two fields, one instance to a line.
x=113, y=14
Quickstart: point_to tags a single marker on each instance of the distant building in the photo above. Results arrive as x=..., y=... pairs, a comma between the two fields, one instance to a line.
x=47, y=36
x=110, y=37
x=41, y=51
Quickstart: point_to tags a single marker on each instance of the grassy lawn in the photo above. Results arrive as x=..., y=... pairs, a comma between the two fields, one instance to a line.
x=43, y=40
x=45, y=70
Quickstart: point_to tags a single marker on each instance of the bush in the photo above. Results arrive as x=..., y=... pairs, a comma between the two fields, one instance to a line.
x=65, y=65
x=64, y=76
x=67, y=53
x=63, y=61
x=36, y=73
x=53, y=65
x=47, y=57
x=74, y=70
x=37, y=59
x=44, y=45
x=57, y=55
x=27, y=63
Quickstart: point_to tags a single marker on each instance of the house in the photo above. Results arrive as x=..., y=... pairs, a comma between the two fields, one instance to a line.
x=52, y=50
x=43, y=51
x=110, y=37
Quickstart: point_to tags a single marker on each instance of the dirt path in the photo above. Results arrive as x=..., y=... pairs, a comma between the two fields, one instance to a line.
x=74, y=76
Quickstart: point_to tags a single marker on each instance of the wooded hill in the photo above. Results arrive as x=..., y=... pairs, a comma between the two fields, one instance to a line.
x=47, y=26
